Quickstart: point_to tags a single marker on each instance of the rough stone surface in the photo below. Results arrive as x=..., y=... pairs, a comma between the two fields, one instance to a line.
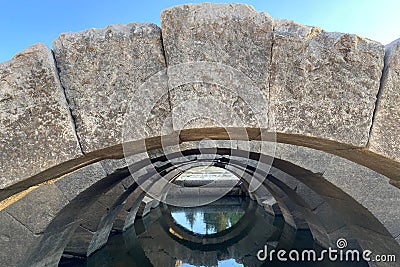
x=313, y=160
x=329, y=222
x=320, y=85
x=74, y=183
x=36, y=129
x=130, y=219
x=287, y=179
x=370, y=189
x=145, y=206
x=236, y=37
x=38, y=208
x=78, y=244
x=109, y=198
x=312, y=199
x=50, y=248
x=15, y=240
x=324, y=84
x=91, y=217
x=101, y=236
x=271, y=206
x=102, y=71
x=386, y=127
x=352, y=178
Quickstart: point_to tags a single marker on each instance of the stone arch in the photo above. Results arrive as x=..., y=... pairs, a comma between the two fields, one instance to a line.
x=115, y=176
x=340, y=97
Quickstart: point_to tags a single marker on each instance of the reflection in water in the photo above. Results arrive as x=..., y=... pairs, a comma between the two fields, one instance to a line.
x=210, y=219
x=224, y=263
x=228, y=232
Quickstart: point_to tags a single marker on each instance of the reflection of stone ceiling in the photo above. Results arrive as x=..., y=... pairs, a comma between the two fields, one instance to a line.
x=159, y=244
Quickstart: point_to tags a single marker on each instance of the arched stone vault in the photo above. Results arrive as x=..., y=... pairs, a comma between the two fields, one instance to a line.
x=66, y=215
x=324, y=103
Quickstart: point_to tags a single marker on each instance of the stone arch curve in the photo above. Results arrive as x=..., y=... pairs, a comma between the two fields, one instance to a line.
x=61, y=221
x=62, y=110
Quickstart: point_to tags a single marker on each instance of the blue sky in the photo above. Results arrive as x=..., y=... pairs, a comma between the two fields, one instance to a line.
x=25, y=22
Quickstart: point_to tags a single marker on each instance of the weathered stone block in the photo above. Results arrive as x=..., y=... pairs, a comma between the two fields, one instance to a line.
x=353, y=179
x=313, y=160
x=386, y=127
x=145, y=206
x=38, y=208
x=15, y=240
x=312, y=199
x=51, y=247
x=92, y=216
x=218, y=57
x=324, y=84
x=271, y=206
x=102, y=71
x=36, y=129
x=368, y=188
x=78, y=245
x=78, y=181
x=101, y=236
x=282, y=176
x=327, y=219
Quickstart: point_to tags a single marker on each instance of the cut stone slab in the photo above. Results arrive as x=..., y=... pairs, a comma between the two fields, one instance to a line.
x=15, y=240
x=329, y=222
x=368, y=188
x=80, y=180
x=101, y=236
x=357, y=181
x=50, y=248
x=324, y=84
x=102, y=71
x=145, y=206
x=36, y=128
x=38, y=208
x=386, y=127
x=312, y=199
x=218, y=59
x=313, y=160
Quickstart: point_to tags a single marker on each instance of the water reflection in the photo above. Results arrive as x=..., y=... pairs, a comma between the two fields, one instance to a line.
x=213, y=218
x=224, y=263
x=204, y=236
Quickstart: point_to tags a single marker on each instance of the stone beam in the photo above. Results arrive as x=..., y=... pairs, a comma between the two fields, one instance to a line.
x=36, y=129
x=324, y=84
x=386, y=128
x=102, y=71
x=218, y=60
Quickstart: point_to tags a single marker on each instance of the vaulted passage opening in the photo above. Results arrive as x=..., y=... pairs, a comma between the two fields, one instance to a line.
x=220, y=205
x=222, y=233
x=205, y=203
x=202, y=185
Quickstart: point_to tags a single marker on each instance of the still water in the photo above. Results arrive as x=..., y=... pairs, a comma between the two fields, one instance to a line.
x=227, y=232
